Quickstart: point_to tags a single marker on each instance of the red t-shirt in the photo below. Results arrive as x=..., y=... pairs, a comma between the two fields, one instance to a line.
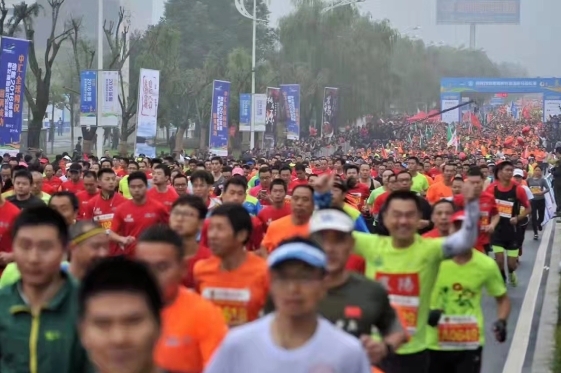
x=269, y=214
x=254, y=243
x=102, y=210
x=255, y=193
x=83, y=198
x=358, y=195
x=8, y=213
x=294, y=183
x=433, y=233
x=379, y=202
x=520, y=192
x=488, y=209
x=434, y=171
x=70, y=186
x=356, y=264
x=203, y=253
x=54, y=182
x=46, y=188
x=131, y=219
x=167, y=198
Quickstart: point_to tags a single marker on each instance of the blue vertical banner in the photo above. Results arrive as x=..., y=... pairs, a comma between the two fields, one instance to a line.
x=245, y=112
x=13, y=64
x=88, y=97
x=219, y=131
x=291, y=96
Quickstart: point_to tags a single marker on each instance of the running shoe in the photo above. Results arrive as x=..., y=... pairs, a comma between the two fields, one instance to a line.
x=535, y=237
x=513, y=279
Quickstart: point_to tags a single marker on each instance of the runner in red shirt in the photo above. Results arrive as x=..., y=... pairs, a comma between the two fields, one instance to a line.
x=51, y=179
x=234, y=193
x=135, y=215
x=187, y=216
x=74, y=183
x=8, y=214
x=358, y=192
x=101, y=208
x=161, y=190
x=488, y=210
x=279, y=207
x=301, y=178
x=261, y=191
x=90, y=191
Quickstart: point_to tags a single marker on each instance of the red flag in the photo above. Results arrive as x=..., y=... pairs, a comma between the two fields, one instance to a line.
x=475, y=121
x=384, y=153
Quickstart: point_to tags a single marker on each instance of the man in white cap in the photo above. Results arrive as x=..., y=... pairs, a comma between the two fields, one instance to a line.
x=294, y=338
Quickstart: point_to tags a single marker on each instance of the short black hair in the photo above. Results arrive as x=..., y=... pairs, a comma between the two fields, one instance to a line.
x=167, y=171
x=116, y=275
x=348, y=167
x=299, y=167
x=218, y=159
x=103, y=171
x=89, y=174
x=285, y=168
x=203, y=176
x=179, y=176
x=135, y=164
x=41, y=216
x=305, y=186
x=403, y=195
x=235, y=181
x=239, y=218
x=278, y=182
x=23, y=174
x=227, y=169
x=192, y=201
x=414, y=159
x=137, y=175
x=444, y=201
x=475, y=171
x=264, y=170
x=71, y=197
x=162, y=233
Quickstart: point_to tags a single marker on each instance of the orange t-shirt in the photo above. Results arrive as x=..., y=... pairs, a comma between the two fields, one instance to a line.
x=192, y=329
x=283, y=229
x=241, y=293
x=438, y=191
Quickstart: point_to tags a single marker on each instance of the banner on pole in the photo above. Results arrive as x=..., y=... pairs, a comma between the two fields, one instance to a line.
x=88, y=98
x=218, y=137
x=259, y=111
x=330, y=111
x=291, y=95
x=13, y=64
x=245, y=112
x=272, y=112
x=147, y=112
x=109, y=101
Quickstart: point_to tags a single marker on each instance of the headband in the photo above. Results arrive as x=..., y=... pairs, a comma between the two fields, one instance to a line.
x=84, y=236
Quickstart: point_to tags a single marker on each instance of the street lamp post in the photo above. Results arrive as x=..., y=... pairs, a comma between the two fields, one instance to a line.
x=340, y=4
x=99, y=142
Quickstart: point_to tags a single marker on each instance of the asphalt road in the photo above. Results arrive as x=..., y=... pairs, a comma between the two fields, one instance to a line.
x=494, y=353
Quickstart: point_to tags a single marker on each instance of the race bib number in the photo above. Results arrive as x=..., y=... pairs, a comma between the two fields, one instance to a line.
x=535, y=189
x=232, y=302
x=458, y=332
x=104, y=220
x=403, y=290
x=505, y=208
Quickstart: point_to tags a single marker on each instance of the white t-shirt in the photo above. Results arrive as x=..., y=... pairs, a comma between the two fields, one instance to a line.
x=250, y=349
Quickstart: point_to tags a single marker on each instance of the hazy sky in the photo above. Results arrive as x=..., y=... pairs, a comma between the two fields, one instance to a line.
x=534, y=43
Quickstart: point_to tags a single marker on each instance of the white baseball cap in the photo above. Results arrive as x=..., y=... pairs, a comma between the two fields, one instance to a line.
x=300, y=251
x=331, y=220
x=518, y=172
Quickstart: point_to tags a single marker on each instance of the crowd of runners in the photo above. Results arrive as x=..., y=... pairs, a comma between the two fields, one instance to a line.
x=344, y=264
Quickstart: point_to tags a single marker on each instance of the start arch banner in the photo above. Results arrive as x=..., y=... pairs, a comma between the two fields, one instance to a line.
x=451, y=90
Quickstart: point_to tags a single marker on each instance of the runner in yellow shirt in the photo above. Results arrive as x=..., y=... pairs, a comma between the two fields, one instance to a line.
x=456, y=334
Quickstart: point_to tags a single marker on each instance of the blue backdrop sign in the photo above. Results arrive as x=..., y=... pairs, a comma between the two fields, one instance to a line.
x=451, y=90
x=88, y=97
x=13, y=64
x=219, y=131
x=291, y=96
x=245, y=112
x=478, y=11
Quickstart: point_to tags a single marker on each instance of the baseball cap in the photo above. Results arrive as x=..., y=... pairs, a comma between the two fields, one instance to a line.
x=459, y=216
x=331, y=220
x=518, y=172
x=67, y=158
x=237, y=171
x=300, y=251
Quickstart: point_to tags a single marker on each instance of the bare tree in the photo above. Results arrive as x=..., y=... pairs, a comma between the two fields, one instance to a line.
x=42, y=72
x=117, y=36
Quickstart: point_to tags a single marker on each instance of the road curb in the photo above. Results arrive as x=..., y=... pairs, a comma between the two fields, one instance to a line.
x=545, y=341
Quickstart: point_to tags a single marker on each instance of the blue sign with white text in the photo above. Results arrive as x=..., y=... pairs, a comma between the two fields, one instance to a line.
x=478, y=11
x=88, y=97
x=245, y=112
x=13, y=64
x=291, y=95
x=219, y=131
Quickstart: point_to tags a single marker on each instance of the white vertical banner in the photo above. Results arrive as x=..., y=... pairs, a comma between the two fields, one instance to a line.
x=109, y=102
x=452, y=116
x=147, y=112
x=259, y=112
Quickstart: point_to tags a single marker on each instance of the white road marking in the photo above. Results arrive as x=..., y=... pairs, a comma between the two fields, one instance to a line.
x=521, y=337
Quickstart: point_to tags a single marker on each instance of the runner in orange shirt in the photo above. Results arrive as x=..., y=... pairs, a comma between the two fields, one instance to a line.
x=443, y=189
x=235, y=280
x=192, y=327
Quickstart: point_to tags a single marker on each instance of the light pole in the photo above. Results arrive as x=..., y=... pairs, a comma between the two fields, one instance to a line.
x=99, y=142
x=243, y=11
x=340, y=4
